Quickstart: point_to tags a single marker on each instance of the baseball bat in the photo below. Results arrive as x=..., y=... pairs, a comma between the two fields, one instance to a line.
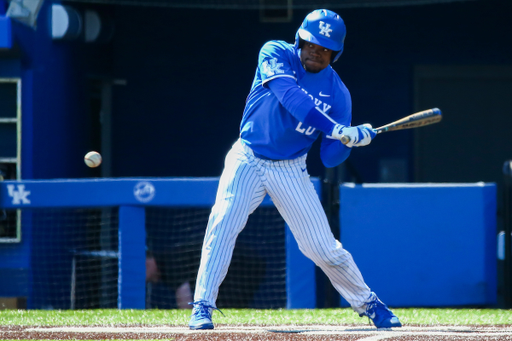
x=418, y=119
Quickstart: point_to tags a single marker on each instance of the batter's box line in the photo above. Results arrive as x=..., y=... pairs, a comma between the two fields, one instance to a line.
x=377, y=334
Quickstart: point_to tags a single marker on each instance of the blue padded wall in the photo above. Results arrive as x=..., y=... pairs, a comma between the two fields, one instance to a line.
x=424, y=244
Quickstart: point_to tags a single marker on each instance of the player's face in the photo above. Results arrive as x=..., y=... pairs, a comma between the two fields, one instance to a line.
x=314, y=57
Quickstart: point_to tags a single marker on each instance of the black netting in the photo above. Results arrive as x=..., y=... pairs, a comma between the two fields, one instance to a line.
x=257, y=273
x=74, y=258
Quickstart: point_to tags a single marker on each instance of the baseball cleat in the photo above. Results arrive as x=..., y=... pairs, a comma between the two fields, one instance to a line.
x=380, y=314
x=201, y=317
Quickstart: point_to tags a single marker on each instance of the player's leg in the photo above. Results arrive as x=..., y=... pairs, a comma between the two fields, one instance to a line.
x=239, y=193
x=298, y=203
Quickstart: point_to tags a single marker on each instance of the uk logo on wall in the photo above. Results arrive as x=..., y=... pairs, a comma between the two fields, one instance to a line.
x=18, y=194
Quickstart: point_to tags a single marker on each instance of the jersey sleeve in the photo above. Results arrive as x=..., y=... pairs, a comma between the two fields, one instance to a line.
x=274, y=62
x=332, y=151
x=300, y=105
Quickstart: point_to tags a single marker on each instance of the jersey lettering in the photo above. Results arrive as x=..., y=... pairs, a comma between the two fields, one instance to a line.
x=301, y=130
x=310, y=131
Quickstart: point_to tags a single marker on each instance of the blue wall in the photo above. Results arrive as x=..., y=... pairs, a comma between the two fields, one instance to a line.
x=416, y=245
x=424, y=244
x=55, y=121
x=41, y=271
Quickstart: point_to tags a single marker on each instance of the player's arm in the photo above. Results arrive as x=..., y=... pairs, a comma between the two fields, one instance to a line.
x=300, y=105
x=332, y=151
x=277, y=74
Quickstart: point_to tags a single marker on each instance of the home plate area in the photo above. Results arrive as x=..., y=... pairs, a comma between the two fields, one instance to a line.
x=305, y=332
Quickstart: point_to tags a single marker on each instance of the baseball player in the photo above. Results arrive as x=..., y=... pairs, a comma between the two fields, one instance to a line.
x=295, y=97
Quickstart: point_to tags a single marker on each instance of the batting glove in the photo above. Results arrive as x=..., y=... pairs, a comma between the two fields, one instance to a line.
x=357, y=136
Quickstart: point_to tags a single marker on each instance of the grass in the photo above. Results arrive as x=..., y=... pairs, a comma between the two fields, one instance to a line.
x=415, y=316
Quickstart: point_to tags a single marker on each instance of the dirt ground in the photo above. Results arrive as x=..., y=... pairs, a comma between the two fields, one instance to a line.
x=267, y=333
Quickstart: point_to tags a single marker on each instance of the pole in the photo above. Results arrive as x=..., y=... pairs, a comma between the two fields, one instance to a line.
x=507, y=222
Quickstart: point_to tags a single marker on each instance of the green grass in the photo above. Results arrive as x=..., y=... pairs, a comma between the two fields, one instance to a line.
x=250, y=316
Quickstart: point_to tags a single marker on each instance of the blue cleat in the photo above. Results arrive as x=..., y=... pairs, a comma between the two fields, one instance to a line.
x=201, y=317
x=380, y=314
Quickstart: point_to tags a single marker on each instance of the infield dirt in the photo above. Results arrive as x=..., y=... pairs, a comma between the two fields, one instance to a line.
x=267, y=333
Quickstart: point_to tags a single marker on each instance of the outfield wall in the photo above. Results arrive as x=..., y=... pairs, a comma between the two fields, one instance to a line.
x=417, y=245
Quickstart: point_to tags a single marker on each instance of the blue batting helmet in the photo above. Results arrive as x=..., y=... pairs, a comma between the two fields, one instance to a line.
x=325, y=28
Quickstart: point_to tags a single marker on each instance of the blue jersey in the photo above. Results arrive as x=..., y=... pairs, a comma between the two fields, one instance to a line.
x=274, y=132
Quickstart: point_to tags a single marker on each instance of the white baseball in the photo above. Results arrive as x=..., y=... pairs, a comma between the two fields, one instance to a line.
x=92, y=159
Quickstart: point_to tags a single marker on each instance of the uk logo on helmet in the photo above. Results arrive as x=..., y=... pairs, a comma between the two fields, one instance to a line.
x=325, y=29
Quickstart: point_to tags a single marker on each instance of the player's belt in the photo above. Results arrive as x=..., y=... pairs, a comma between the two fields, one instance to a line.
x=259, y=156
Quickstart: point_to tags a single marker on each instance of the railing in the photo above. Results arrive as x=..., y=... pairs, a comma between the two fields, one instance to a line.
x=57, y=216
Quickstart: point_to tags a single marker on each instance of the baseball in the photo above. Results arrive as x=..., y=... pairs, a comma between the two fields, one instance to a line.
x=92, y=159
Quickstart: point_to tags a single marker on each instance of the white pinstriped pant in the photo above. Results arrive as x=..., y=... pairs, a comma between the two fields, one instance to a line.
x=245, y=181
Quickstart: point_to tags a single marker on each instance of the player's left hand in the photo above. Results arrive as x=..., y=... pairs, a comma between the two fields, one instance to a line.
x=366, y=135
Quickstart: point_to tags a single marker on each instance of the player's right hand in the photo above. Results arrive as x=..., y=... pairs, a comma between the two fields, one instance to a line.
x=358, y=136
